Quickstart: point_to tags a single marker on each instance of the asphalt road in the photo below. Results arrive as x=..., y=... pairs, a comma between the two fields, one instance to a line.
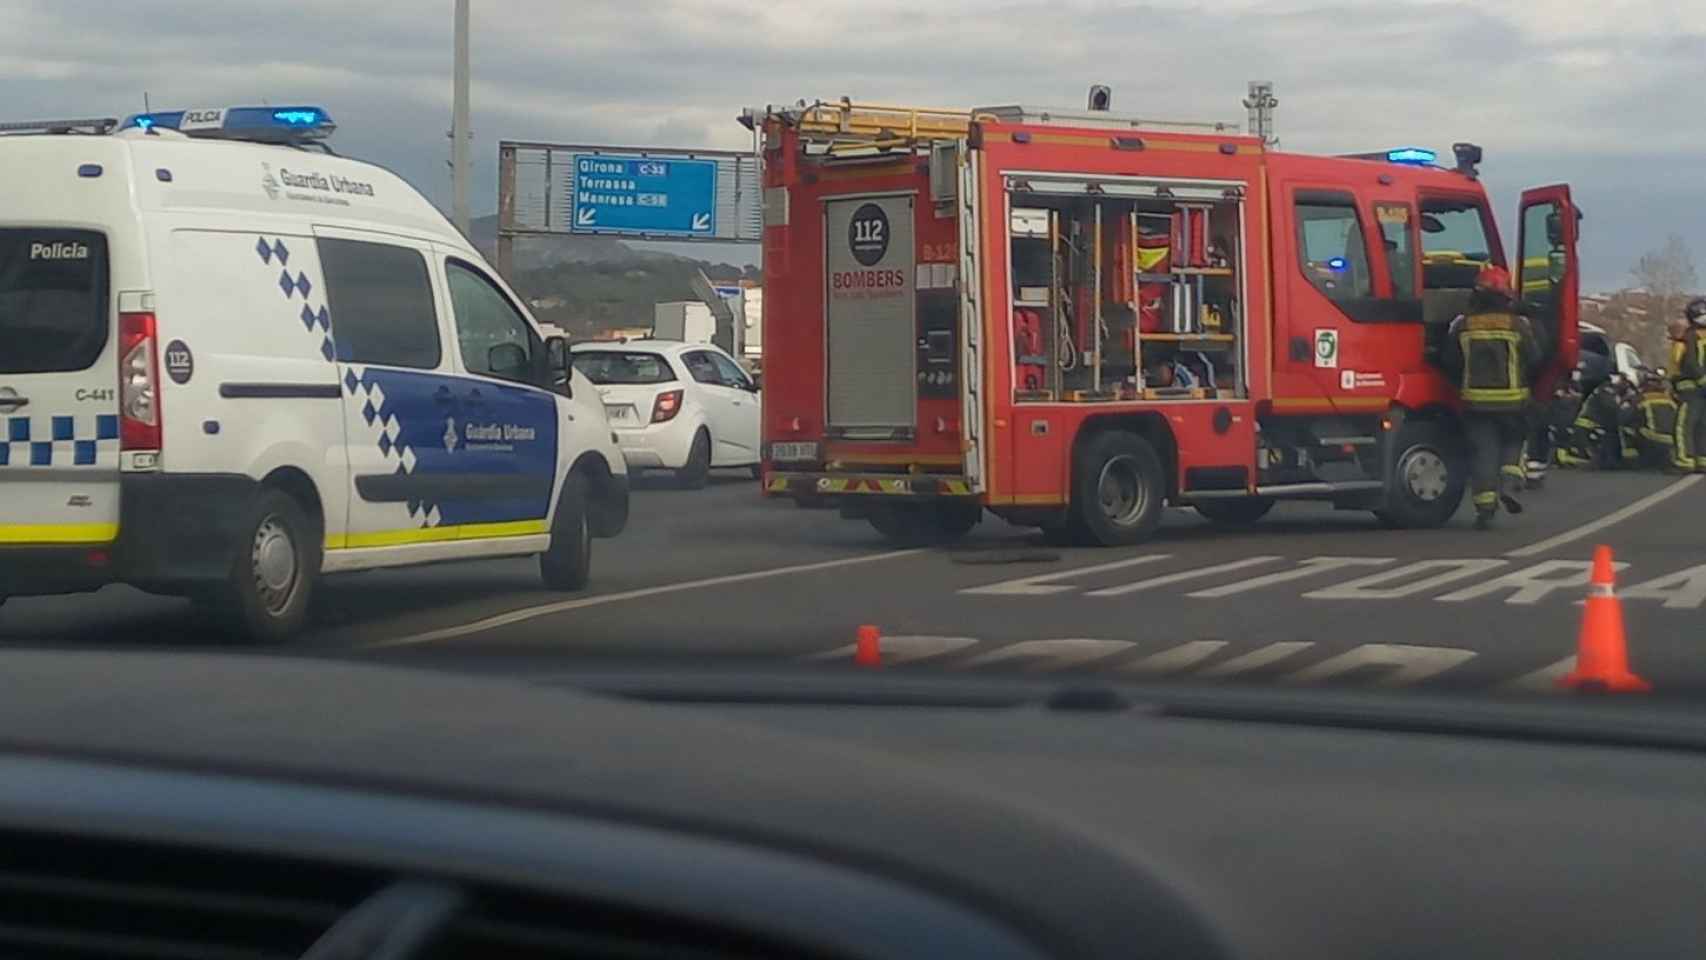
x=1308, y=595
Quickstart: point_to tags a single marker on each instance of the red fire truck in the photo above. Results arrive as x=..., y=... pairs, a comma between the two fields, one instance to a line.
x=1072, y=320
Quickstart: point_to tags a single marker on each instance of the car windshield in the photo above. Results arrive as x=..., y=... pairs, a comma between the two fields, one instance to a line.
x=610, y=366
x=1033, y=351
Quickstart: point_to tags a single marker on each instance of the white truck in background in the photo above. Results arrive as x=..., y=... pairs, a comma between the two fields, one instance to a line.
x=689, y=321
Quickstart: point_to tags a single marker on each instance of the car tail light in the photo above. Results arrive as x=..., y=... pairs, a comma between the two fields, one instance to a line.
x=666, y=406
x=138, y=383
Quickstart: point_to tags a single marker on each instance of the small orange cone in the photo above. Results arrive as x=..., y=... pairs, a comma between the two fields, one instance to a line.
x=1602, y=652
x=867, y=652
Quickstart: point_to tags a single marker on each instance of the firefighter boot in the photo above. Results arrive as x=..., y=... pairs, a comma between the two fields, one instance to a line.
x=1511, y=483
x=1486, y=504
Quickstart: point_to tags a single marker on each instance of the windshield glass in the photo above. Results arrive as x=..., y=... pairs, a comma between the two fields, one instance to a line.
x=609, y=366
x=1275, y=383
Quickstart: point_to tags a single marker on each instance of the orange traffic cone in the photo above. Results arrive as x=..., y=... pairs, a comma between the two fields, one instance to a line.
x=1602, y=652
x=867, y=652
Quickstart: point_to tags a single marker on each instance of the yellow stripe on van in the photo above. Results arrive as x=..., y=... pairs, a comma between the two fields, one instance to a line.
x=58, y=532
x=464, y=531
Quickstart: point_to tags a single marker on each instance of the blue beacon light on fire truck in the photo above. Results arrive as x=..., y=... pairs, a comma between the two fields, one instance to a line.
x=258, y=124
x=1412, y=155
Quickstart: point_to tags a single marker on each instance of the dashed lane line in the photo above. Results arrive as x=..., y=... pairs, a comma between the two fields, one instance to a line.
x=1610, y=519
x=545, y=610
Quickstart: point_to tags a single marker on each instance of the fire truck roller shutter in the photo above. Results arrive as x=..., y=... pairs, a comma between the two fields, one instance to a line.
x=871, y=307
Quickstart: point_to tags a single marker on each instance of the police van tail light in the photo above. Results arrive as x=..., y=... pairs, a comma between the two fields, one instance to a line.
x=138, y=382
x=666, y=406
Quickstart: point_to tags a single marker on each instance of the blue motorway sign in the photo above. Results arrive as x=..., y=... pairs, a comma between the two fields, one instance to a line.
x=659, y=196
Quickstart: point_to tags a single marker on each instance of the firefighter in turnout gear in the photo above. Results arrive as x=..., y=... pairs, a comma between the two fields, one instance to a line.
x=1493, y=354
x=1656, y=439
x=1688, y=377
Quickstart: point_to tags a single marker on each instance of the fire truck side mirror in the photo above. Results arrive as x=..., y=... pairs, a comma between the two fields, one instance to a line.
x=1101, y=97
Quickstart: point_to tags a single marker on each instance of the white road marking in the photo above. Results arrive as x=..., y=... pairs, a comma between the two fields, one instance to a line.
x=1171, y=578
x=1313, y=566
x=1544, y=680
x=1532, y=584
x=902, y=648
x=1610, y=519
x=1369, y=588
x=1258, y=658
x=1408, y=663
x=1682, y=590
x=1044, y=584
x=1057, y=654
x=1182, y=657
x=545, y=610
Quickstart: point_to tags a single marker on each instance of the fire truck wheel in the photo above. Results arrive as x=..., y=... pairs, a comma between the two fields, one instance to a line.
x=1117, y=490
x=922, y=524
x=1235, y=513
x=1427, y=480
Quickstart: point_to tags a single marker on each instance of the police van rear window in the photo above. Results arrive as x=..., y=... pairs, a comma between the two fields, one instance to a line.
x=53, y=300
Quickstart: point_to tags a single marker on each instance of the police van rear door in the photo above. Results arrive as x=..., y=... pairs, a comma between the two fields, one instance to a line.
x=59, y=357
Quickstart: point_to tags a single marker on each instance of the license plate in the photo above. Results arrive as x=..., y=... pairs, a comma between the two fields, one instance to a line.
x=792, y=452
x=619, y=413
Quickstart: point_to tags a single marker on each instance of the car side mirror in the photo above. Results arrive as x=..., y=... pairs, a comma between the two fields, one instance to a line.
x=507, y=360
x=557, y=364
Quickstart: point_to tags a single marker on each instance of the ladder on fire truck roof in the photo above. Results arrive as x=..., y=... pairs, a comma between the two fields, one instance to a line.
x=869, y=125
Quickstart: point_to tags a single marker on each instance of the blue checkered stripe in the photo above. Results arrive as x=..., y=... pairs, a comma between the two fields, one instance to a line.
x=314, y=320
x=380, y=415
x=86, y=440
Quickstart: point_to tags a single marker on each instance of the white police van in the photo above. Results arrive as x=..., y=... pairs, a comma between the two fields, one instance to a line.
x=230, y=363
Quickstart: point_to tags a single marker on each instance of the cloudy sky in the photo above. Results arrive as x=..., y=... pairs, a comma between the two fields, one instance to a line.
x=1594, y=92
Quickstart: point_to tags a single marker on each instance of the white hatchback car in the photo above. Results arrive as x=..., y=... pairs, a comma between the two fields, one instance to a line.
x=685, y=407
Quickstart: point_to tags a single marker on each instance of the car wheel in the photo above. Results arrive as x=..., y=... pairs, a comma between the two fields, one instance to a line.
x=567, y=563
x=697, y=470
x=274, y=571
x=1427, y=479
x=1234, y=513
x=757, y=471
x=1117, y=490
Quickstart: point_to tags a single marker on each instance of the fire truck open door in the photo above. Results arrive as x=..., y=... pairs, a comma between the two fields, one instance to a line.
x=1548, y=277
x=967, y=201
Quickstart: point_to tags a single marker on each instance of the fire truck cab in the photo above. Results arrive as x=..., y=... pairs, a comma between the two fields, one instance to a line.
x=1073, y=320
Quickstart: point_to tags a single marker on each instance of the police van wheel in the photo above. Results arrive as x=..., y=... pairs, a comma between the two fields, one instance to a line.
x=275, y=569
x=1234, y=513
x=1117, y=490
x=697, y=470
x=1427, y=480
x=567, y=563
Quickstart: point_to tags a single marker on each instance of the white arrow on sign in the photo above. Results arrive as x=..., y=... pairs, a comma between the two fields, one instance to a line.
x=701, y=221
x=583, y=216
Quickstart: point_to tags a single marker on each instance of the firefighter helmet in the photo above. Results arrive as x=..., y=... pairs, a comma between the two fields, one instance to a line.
x=1494, y=279
x=1696, y=311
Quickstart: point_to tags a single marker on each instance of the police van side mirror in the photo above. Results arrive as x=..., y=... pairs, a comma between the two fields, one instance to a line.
x=557, y=363
x=507, y=360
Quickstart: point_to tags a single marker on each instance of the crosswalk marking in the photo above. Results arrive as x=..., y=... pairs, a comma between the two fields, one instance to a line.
x=1172, y=578
x=1371, y=587
x=903, y=648
x=1258, y=658
x=1405, y=663
x=1172, y=660
x=1683, y=590
x=1044, y=584
x=1314, y=566
x=1532, y=584
x=1056, y=654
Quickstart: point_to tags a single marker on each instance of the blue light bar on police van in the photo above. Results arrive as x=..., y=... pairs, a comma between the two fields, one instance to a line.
x=259, y=124
x=1414, y=155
